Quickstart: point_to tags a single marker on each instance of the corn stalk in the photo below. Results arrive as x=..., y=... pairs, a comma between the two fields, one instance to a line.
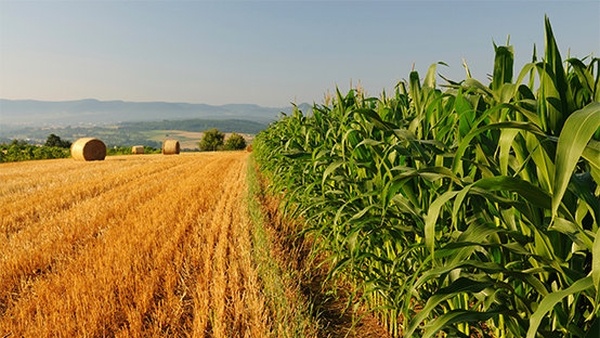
x=468, y=210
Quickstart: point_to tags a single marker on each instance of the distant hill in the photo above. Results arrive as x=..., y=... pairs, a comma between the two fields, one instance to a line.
x=91, y=111
x=149, y=133
x=129, y=123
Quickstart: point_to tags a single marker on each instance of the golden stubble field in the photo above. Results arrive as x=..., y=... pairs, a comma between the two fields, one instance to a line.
x=132, y=246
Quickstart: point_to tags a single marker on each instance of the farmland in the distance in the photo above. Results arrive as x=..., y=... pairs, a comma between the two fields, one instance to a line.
x=148, y=245
x=150, y=133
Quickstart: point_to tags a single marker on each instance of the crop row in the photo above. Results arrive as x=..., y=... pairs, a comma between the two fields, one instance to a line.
x=134, y=246
x=469, y=209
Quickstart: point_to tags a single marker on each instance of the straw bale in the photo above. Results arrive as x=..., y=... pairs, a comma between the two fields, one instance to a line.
x=88, y=149
x=170, y=147
x=137, y=149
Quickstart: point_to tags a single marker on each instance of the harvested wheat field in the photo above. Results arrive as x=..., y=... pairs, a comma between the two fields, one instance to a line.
x=145, y=245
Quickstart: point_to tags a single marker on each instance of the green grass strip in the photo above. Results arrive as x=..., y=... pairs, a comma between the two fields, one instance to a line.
x=289, y=311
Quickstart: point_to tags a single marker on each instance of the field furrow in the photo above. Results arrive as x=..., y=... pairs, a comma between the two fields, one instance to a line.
x=28, y=202
x=233, y=287
x=160, y=246
x=43, y=246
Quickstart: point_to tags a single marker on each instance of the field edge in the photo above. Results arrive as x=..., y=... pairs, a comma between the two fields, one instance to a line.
x=289, y=311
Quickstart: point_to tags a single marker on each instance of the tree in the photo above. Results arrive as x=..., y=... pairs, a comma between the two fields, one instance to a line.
x=235, y=142
x=212, y=140
x=55, y=141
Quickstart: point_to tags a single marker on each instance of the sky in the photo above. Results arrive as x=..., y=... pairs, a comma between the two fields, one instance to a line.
x=270, y=53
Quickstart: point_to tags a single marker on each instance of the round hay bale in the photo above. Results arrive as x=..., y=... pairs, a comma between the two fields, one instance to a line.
x=137, y=149
x=170, y=147
x=88, y=149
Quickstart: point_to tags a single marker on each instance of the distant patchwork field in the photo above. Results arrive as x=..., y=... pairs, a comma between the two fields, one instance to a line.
x=187, y=139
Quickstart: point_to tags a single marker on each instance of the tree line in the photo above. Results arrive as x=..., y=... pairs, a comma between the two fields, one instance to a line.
x=55, y=147
x=214, y=140
x=20, y=150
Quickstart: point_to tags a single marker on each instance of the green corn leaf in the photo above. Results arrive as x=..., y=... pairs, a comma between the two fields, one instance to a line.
x=330, y=169
x=528, y=191
x=581, y=186
x=547, y=304
x=429, y=173
x=479, y=229
x=503, y=66
x=475, y=235
x=372, y=117
x=457, y=287
x=465, y=112
x=474, y=84
x=596, y=265
x=508, y=91
x=528, y=69
x=432, y=216
x=405, y=134
x=429, y=80
x=554, y=60
x=458, y=202
x=550, y=117
x=544, y=166
x=405, y=205
x=362, y=212
x=575, y=233
x=586, y=77
x=464, y=144
x=578, y=131
x=553, y=84
x=507, y=137
x=369, y=142
x=592, y=153
x=298, y=155
x=489, y=267
x=457, y=316
x=415, y=91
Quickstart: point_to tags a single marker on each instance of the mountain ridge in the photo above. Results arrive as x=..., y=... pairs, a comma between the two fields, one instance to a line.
x=29, y=112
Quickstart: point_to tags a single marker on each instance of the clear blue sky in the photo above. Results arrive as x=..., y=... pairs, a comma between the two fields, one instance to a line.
x=269, y=53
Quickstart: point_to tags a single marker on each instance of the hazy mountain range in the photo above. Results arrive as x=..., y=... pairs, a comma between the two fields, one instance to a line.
x=91, y=111
x=120, y=123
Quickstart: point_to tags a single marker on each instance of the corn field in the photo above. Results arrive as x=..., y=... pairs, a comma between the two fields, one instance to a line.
x=462, y=210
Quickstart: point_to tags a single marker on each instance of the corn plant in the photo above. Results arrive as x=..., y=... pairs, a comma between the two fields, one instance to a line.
x=471, y=210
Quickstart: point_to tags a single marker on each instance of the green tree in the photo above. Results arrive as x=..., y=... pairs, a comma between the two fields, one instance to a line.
x=55, y=141
x=212, y=140
x=235, y=142
x=19, y=150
